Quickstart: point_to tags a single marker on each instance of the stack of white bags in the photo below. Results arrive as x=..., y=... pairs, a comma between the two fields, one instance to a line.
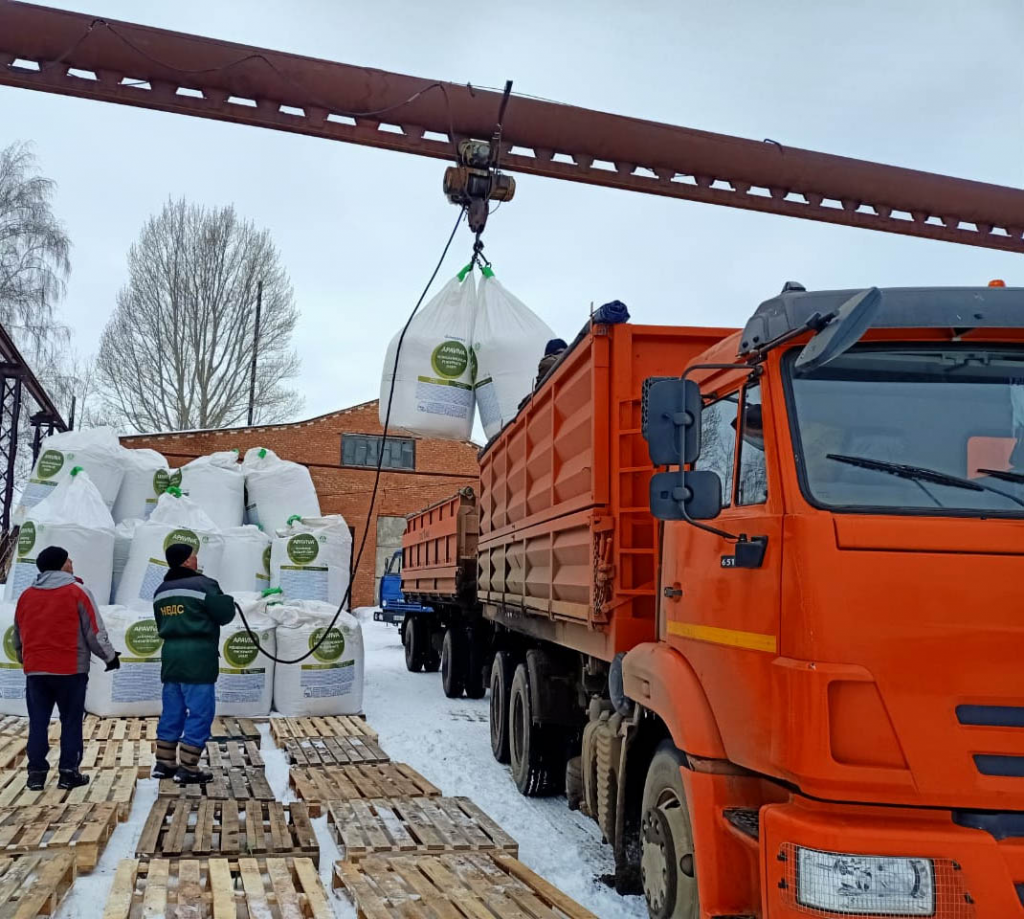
x=257, y=529
x=468, y=346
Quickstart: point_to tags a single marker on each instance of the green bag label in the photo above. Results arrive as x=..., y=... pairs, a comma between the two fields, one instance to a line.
x=142, y=638
x=186, y=537
x=26, y=537
x=163, y=479
x=303, y=549
x=12, y=655
x=332, y=648
x=266, y=561
x=50, y=463
x=450, y=359
x=240, y=650
x=473, y=365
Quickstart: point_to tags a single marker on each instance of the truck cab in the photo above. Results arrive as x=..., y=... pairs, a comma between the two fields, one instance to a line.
x=838, y=665
x=392, y=603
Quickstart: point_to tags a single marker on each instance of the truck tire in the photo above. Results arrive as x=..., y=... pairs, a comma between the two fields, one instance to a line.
x=413, y=637
x=667, y=862
x=476, y=675
x=501, y=685
x=453, y=663
x=431, y=654
x=534, y=768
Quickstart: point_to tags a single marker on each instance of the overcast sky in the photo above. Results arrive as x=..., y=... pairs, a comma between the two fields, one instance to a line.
x=933, y=86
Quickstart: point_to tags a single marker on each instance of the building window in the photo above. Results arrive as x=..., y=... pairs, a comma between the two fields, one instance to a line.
x=364, y=450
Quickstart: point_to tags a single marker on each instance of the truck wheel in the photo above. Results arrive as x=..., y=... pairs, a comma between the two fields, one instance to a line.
x=453, y=664
x=431, y=656
x=501, y=682
x=412, y=639
x=476, y=678
x=529, y=745
x=667, y=866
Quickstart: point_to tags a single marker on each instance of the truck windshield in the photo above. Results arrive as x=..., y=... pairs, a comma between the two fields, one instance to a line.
x=914, y=429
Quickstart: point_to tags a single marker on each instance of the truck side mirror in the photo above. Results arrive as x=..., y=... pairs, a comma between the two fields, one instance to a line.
x=699, y=492
x=671, y=421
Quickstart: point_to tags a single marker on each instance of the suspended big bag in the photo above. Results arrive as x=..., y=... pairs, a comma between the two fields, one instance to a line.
x=146, y=477
x=433, y=393
x=97, y=450
x=276, y=490
x=215, y=483
x=310, y=559
x=509, y=341
x=75, y=518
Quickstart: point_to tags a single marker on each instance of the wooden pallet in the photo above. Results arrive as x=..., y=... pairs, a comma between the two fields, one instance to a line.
x=318, y=784
x=114, y=786
x=334, y=751
x=226, y=728
x=285, y=729
x=495, y=886
x=234, y=754
x=13, y=726
x=204, y=828
x=271, y=888
x=241, y=784
x=12, y=751
x=85, y=829
x=96, y=728
x=114, y=754
x=421, y=826
x=35, y=885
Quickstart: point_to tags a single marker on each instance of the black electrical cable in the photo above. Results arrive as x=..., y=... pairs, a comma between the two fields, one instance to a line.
x=376, y=479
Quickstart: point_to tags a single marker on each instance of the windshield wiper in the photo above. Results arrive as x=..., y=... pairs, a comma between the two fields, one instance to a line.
x=1005, y=475
x=921, y=474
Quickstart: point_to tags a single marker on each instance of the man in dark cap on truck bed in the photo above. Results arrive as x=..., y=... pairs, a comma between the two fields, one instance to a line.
x=57, y=625
x=189, y=608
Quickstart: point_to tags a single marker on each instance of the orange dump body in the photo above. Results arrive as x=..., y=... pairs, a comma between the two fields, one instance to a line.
x=566, y=533
x=439, y=550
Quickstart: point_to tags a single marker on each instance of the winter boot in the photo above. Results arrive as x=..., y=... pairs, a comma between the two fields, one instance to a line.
x=36, y=781
x=72, y=778
x=189, y=772
x=166, y=759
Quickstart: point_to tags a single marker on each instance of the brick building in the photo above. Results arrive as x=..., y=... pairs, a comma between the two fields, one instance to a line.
x=340, y=449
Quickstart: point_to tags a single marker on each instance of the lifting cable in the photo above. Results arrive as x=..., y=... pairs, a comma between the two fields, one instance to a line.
x=376, y=478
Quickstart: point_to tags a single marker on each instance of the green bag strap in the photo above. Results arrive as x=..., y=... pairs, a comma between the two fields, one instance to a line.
x=173, y=490
x=75, y=471
x=293, y=517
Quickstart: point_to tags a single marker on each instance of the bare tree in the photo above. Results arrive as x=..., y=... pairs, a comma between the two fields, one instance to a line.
x=176, y=353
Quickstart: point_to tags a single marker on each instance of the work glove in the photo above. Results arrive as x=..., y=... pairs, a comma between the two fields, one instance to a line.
x=114, y=663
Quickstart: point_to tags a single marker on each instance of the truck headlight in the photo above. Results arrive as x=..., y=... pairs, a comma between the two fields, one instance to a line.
x=865, y=884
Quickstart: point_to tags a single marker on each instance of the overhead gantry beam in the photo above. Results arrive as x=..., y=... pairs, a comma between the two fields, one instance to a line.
x=94, y=58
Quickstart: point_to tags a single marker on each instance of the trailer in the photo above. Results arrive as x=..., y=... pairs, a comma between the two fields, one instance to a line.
x=439, y=572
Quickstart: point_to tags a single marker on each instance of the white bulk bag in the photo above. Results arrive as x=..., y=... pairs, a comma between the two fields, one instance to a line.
x=310, y=559
x=509, y=341
x=12, y=676
x=146, y=477
x=135, y=689
x=216, y=484
x=276, y=490
x=328, y=682
x=433, y=393
x=176, y=519
x=123, y=534
x=96, y=450
x=74, y=517
x=245, y=686
x=246, y=562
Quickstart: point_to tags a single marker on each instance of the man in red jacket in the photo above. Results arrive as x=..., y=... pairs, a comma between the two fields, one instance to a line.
x=56, y=625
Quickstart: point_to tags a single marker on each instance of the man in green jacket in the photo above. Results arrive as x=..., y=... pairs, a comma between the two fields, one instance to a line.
x=189, y=609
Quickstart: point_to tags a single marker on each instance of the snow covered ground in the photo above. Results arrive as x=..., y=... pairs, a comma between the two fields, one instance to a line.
x=447, y=740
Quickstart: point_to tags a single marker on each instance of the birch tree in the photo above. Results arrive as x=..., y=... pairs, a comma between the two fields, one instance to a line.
x=176, y=353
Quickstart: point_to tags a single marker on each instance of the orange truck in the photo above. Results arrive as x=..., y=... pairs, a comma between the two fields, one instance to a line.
x=753, y=599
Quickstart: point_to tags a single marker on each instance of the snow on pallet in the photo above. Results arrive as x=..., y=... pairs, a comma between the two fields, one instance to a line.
x=452, y=885
x=115, y=786
x=205, y=828
x=272, y=888
x=225, y=728
x=85, y=829
x=318, y=784
x=285, y=729
x=414, y=826
x=241, y=784
x=35, y=885
x=334, y=751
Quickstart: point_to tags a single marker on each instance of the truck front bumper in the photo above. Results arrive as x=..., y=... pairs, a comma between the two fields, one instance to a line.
x=972, y=874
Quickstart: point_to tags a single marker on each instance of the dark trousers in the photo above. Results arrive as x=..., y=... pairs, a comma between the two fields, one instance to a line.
x=42, y=692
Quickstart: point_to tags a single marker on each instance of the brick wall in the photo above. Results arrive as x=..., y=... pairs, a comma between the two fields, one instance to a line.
x=442, y=467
